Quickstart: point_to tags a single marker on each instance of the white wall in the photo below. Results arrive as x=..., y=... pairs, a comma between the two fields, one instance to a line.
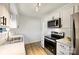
x=30, y=28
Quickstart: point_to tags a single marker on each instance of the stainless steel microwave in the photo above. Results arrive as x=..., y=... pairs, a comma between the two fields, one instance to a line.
x=56, y=23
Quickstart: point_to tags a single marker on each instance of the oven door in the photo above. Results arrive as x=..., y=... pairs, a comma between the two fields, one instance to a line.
x=50, y=45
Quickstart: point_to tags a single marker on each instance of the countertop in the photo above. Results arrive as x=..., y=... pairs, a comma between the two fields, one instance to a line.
x=12, y=49
x=9, y=48
x=64, y=41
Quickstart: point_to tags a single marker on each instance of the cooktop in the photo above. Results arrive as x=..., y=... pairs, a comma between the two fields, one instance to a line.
x=55, y=36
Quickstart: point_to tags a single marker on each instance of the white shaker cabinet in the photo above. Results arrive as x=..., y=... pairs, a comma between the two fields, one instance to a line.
x=63, y=48
x=4, y=12
x=13, y=21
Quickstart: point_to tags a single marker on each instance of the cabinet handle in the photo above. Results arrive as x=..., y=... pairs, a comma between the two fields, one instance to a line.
x=62, y=46
x=5, y=21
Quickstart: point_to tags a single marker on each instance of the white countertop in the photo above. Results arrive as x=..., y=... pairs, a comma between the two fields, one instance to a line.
x=12, y=49
x=64, y=41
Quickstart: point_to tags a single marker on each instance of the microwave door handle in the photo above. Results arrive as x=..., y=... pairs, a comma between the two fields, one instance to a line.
x=55, y=22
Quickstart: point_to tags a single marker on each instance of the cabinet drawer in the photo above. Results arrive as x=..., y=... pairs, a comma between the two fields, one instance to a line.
x=62, y=46
x=62, y=49
x=62, y=53
x=59, y=48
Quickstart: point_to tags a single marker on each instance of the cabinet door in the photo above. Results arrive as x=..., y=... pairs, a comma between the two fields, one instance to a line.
x=62, y=49
x=4, y=12
x=42, y=43
x=76, y=8
x=13, y=21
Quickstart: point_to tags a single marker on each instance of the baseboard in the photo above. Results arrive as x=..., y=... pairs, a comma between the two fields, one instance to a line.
x=32, y=42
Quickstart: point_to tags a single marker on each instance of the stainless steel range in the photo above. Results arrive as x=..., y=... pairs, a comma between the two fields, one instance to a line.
x=50, y=41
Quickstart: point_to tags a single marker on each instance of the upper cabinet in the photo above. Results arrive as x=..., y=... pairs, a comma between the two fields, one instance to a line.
x=4, y=16
x=76, y=8
x=8, y=15
x=13, y=9
x=13, y=16
x=13, y=21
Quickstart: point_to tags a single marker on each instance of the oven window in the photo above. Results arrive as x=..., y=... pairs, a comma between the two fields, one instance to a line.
x=51, y=46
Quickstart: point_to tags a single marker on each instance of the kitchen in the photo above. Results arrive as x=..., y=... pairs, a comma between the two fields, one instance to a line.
x=53, y=29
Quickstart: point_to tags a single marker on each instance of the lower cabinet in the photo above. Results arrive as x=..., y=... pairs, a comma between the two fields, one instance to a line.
x=42, y=43
x=63, y=48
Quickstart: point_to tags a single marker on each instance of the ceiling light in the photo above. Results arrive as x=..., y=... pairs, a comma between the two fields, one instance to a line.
x=36, y=8
x=37, y=5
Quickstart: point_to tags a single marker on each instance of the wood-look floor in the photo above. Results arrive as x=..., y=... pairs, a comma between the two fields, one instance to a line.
x=34, y=49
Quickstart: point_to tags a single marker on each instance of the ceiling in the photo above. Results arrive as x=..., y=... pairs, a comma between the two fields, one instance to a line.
x=28, y=9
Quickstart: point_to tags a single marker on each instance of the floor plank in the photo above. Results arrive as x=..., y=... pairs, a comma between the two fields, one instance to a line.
x=35, y=49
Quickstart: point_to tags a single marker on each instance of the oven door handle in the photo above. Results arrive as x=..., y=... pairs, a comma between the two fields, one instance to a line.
x=50, y=40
